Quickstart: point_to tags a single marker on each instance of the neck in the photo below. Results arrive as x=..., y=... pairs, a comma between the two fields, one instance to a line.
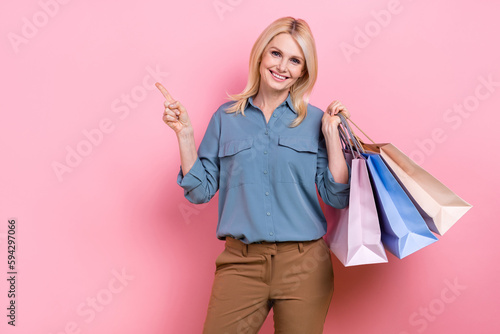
x=269, y=100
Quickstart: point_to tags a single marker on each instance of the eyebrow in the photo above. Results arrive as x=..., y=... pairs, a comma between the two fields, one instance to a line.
x=298, y=57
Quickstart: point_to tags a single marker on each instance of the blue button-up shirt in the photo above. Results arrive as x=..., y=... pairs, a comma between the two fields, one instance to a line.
x=266, y=174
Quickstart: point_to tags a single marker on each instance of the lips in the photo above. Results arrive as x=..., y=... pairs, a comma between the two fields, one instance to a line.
x=277, y=76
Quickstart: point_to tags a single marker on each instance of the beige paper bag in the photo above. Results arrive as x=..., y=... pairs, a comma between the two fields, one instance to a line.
x=441, y=204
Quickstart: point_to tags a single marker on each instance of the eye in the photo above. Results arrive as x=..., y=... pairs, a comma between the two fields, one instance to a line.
x=275, y=53
x=296, y=61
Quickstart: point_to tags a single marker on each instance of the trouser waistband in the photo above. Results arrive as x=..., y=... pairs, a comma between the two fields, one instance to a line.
x=268, y=247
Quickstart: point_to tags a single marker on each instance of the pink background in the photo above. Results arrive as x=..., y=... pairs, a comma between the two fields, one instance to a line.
x=118, y=212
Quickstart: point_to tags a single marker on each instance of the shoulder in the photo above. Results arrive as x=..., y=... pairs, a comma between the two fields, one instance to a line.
x=313, y=117
x=224, y=106
x=221, y=111
x=314, y=111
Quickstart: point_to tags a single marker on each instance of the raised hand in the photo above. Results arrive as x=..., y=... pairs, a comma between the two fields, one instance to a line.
x=174, y=115
x=330, y=120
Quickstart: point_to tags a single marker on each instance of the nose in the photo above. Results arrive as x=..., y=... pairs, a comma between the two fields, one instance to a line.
x=282, y=65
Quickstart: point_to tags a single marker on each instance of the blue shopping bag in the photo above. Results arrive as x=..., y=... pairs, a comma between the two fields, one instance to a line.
x=404, y=231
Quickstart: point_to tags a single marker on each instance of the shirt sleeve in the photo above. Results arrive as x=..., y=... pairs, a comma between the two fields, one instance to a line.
x=332, y=193
x=202, y=181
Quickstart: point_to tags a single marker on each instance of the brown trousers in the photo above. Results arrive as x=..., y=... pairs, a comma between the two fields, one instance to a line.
x=294, y=278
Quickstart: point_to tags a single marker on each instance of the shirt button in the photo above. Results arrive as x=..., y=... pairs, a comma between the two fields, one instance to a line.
x=269, y=213
x=271, y=233
x=265, y=152
x=274, y=115
x=267, y=132
x=267, y=193
x=265, y=171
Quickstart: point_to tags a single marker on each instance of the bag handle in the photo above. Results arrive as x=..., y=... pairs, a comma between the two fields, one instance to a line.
x=374, y=147
x=350, y=135
x=355, y=139
x=350, y=120
x=344, y=139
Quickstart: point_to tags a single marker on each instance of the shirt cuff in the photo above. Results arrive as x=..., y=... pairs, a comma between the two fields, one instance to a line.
x=193, y=178
x=335, y=186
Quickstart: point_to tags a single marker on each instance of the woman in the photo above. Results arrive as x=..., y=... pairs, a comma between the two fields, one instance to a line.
x=266, y=152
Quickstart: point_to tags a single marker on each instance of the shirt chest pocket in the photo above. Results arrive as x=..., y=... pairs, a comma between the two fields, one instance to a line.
x=235, y=157
x=297, y=158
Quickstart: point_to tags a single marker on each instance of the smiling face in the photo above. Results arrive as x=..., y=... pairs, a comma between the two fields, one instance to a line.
x=282, y=63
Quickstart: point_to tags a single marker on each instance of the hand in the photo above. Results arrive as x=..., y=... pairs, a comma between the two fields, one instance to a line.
x=330, y=120
x=175, y=115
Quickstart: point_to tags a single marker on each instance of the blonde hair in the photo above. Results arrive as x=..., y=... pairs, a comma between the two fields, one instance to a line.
x=302, y=88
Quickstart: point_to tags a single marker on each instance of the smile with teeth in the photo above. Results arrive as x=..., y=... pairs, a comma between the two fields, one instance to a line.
x=277, y=76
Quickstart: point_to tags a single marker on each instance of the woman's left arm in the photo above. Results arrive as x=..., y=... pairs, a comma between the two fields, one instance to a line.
x=329, y=126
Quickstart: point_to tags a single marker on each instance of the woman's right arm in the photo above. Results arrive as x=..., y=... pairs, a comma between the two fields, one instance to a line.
x=176, y=117
x=199, y=173
x=187, y=150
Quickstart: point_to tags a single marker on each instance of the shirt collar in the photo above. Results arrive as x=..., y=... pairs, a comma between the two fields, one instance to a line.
x=287, y=101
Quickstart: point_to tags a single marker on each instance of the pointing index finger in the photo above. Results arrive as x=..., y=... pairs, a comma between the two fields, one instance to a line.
x=165, y=93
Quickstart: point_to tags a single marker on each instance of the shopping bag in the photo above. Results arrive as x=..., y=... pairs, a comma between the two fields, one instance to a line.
x=441, y=207
x=404, y=231
x=354, y=235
